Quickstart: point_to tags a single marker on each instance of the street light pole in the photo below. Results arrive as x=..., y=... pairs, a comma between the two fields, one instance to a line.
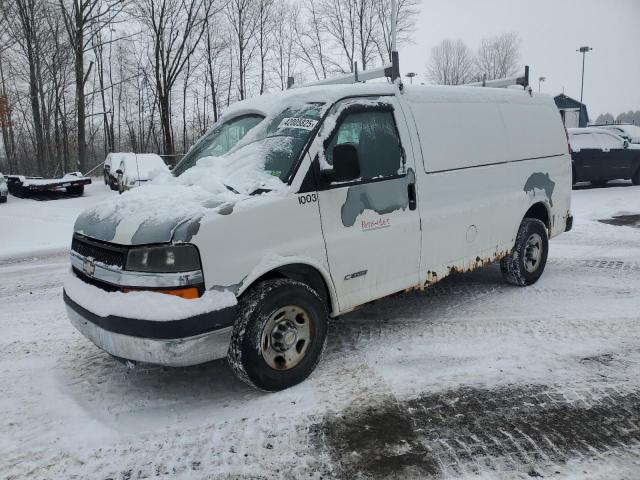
x=583, y=51
x=540, y=80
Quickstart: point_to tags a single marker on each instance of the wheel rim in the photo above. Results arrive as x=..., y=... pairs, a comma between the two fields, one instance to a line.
x=286, y=337
x=533, y=253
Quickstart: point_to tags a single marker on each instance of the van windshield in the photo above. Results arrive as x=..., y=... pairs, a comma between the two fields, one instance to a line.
x=218, y=141
x=272, y=145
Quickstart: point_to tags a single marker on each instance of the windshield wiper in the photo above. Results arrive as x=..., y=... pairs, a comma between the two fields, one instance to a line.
x=231, y=189
x=260, y=191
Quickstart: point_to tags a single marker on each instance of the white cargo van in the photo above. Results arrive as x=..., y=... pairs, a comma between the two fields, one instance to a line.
x=301, y=206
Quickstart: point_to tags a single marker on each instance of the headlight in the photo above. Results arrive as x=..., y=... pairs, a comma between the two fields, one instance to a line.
x=165, y=259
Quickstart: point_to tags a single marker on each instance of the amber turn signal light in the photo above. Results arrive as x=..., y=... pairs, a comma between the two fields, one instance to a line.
x=188, y=293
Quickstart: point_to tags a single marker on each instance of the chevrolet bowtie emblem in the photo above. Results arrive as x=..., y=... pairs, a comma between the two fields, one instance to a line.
x=89, y=267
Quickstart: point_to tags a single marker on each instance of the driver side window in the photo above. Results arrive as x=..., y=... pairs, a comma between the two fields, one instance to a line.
x=374, y=134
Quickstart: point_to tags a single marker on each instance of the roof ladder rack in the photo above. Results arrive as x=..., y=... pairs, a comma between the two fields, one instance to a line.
x=504, y=82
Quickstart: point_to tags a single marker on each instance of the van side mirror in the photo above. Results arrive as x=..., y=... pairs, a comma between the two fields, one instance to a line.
x=119, y=171
x=625, y=144
x=346, y=165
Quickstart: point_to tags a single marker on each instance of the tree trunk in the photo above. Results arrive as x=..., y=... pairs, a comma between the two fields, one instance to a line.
x=80, y=101
x=165, y=121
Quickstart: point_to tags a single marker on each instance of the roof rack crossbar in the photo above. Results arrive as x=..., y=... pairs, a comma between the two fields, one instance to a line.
x=504, y=82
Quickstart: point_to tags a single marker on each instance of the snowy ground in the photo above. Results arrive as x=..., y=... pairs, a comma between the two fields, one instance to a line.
x=29, y=227
x=470, y=379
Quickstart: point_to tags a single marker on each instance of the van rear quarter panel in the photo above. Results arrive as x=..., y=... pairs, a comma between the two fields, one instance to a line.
x=488, y=156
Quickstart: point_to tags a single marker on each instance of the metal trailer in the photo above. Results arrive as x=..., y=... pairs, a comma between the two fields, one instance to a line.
x=22, y=186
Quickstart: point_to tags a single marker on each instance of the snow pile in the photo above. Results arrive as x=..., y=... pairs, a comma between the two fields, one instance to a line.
x=146, y=305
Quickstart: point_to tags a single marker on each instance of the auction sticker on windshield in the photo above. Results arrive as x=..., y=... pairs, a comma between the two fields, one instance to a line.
x=303, y=123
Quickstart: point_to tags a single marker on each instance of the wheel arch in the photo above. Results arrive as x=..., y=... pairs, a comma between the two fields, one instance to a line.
x=540, y=211
x=306, y=273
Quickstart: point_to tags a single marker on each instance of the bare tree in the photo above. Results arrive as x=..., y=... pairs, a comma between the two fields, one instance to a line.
x=451, y=63
x=340, y=25
x=83, y=19
x=264, y=25
x=29, y=17
x=176, y=27
x=215, y=46
x=498, y=56
x=286, y=49
x=310, y=36
x=244, y=17
x=406, y=13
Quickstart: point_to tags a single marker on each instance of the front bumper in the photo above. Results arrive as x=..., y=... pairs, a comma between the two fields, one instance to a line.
x=178, y=343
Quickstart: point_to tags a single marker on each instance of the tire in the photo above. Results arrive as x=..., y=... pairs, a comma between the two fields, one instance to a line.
x=523, y=267
x=636, y=178
x=275, y=306
x=3, y=199
x=75, y=190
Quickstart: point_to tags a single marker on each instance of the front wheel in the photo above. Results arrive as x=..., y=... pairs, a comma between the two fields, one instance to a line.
x=525, y=264
x=279, y=335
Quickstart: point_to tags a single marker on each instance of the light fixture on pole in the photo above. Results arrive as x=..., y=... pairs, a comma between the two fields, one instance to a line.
x=583, y=51
x=411, y=75
x=540, y=80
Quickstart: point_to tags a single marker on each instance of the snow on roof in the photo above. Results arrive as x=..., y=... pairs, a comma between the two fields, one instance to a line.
x=275, y=102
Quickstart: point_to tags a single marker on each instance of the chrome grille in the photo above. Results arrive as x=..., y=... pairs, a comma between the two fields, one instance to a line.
x=99, y=252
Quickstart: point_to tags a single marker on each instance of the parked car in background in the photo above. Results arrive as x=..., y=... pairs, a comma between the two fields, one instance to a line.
x=629, y=132
x=4, y=191
x=111, y=164
x=136, y=169
x=600, y=155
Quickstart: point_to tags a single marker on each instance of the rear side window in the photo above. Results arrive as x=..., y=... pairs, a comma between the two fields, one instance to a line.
x=608, y=141
x=584, y=141
x=374, y=134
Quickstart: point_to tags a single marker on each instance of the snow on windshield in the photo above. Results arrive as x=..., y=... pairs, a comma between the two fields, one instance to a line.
x=254, y=164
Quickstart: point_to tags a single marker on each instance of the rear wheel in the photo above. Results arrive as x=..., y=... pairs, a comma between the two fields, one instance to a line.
x=525, y=264
x=279, y=335
x=636, y=177
x=75, y=190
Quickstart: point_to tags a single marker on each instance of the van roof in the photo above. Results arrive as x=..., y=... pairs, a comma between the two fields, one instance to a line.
x=275, y=102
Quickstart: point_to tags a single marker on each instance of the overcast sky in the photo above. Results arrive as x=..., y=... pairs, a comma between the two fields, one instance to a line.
x=551, y=31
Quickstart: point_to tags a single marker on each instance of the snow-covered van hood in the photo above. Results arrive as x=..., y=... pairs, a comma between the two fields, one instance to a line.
x=150, y=214
x=170, y=208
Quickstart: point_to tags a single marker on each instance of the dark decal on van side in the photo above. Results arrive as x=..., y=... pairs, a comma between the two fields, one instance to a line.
x=382, y=197
x=541, y=181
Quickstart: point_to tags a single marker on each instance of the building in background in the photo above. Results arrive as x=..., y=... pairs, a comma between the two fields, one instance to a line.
x=574, y=114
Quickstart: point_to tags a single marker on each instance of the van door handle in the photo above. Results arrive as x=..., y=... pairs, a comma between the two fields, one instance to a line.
x=411, y=190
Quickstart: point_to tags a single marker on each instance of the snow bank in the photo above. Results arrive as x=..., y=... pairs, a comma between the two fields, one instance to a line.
x=30, y=227
x=154, y=306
